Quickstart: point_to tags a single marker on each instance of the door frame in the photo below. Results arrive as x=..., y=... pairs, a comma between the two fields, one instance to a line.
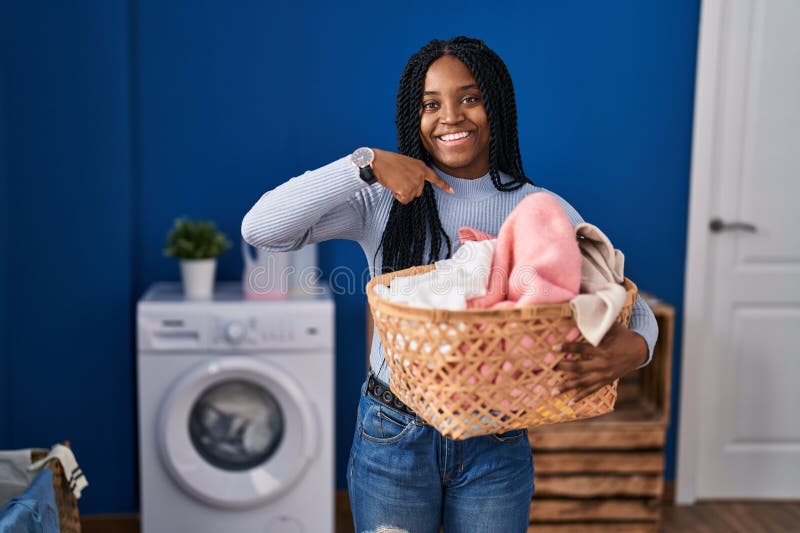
x=695, y=298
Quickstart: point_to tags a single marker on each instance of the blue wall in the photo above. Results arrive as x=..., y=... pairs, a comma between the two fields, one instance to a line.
x=123, y=116
x=70, y=256
x=5, y=394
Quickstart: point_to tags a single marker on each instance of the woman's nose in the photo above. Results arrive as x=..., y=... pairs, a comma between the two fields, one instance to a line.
x=451, y=114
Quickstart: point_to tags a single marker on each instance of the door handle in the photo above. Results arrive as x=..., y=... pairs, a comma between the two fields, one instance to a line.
x=717, y=225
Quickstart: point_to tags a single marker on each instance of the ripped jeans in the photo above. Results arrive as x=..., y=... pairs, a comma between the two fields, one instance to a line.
x=404, y=476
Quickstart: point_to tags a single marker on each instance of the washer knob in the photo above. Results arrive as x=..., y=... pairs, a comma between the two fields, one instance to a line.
x=235, y=332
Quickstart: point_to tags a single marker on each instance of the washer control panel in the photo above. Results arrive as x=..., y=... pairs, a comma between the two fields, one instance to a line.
x=226, y=328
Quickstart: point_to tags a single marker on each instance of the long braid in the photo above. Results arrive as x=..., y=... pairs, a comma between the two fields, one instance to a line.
x=412, y=226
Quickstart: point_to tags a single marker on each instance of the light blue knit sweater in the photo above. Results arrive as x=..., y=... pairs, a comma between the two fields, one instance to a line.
x=332, y=202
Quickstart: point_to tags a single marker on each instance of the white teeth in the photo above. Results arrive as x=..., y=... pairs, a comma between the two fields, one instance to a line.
x=454, y=136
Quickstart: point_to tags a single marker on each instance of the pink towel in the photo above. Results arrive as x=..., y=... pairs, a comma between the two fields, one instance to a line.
x=537, y=258
x=466, y=233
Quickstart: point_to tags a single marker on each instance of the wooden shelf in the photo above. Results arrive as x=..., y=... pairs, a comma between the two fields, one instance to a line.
x=606, y=474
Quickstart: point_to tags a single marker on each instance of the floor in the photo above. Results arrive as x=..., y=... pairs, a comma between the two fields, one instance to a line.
x=705, y=517
x=734, y=517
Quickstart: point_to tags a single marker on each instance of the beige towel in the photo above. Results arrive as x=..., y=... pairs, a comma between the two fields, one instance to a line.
x=602, y=272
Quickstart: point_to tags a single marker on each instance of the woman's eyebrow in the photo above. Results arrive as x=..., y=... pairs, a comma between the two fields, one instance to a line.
x=462, y=88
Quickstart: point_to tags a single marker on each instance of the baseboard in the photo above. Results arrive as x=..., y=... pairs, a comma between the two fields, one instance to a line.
x=110, y=523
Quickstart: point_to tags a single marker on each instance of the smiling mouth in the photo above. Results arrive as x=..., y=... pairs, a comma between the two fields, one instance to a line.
x=454, y=138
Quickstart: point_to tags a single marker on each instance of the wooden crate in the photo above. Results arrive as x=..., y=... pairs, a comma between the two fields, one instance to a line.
x=606, y=474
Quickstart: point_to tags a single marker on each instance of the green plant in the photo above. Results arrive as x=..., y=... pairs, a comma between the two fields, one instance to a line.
x=195, y=239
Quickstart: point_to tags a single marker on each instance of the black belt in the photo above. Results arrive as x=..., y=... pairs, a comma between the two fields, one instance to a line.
x=380, y=391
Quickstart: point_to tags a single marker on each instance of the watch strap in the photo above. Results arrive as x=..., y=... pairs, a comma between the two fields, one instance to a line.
x=368, y=175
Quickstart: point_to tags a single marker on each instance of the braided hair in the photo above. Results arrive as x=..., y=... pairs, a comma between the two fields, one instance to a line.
x=410, y=226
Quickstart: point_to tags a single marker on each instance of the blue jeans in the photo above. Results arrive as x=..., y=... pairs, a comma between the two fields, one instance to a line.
x=35, y=510
x=404, y=476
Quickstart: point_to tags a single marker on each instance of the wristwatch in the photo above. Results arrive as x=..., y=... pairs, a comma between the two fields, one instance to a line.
x=362, y=158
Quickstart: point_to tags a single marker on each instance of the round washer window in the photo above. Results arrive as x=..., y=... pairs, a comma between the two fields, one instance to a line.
x=236, y=425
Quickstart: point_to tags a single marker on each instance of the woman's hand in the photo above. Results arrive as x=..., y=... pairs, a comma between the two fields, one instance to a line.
x=621, y=351
x=404, y=176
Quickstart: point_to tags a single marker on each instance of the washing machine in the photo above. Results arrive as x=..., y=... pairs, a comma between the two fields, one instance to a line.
x=236, y=412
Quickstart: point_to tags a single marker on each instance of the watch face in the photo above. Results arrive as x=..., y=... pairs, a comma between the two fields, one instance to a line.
x=363, y=157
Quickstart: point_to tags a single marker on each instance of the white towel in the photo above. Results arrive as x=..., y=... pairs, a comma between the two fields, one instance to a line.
x=73, y=473
x=450, y=284
x=602, y=272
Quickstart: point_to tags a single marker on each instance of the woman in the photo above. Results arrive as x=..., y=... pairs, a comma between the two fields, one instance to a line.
x=458, y=165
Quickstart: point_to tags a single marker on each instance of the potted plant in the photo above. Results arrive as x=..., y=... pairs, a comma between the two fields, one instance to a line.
x=197, y=244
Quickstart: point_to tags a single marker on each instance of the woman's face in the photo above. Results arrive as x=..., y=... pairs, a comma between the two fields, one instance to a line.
x=453, y=125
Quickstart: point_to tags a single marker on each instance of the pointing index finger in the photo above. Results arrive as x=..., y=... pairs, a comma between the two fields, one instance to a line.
x=434, y=178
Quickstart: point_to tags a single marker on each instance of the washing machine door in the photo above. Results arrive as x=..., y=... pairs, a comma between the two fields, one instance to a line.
x=237, y=431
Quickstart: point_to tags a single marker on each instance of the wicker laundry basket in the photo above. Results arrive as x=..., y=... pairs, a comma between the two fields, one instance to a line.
x=68, y=519
x=481, y=371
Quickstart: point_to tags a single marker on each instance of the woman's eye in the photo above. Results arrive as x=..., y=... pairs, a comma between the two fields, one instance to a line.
x=471, y=99
x=427, y=106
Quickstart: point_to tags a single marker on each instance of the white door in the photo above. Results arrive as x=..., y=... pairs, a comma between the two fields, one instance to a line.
x=740, y=412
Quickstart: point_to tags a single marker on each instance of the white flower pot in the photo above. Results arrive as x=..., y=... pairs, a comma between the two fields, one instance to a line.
x=198, y=278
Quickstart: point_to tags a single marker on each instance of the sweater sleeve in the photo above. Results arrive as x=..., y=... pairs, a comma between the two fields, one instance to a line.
x=643, y=321
x=316, y=206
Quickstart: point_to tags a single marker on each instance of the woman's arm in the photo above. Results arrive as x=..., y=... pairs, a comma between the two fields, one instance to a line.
x=325, y=203
x=316, y=206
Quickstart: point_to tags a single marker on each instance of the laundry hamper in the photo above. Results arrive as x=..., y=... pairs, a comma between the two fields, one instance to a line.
x=480, y=371
x=67, y=504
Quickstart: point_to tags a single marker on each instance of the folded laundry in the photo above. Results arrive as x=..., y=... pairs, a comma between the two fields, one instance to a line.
x=450, y=284
x=602, y=266
x=602, y=272
x=536, y=259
